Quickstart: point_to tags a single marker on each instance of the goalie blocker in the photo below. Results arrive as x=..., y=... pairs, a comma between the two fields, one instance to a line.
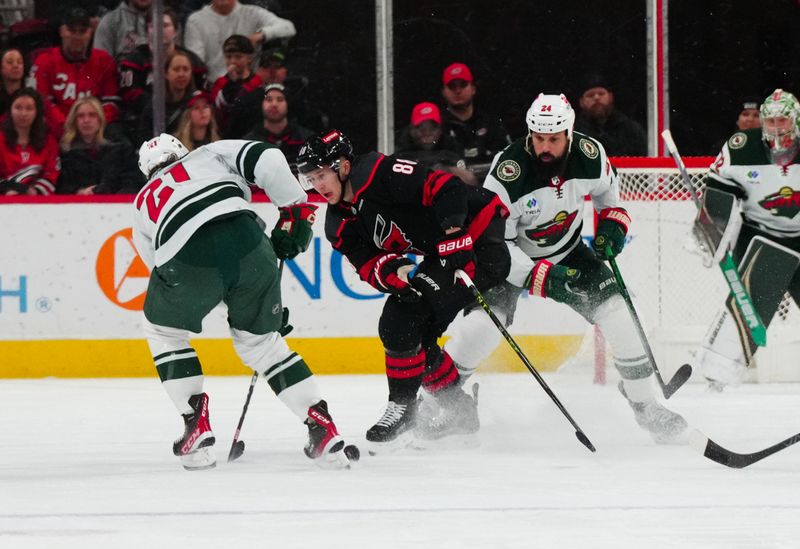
x=767, y=270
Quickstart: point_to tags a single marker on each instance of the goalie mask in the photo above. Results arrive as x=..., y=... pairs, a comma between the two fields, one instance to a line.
x=780, y=115
x=324, y=151
x=160, y=151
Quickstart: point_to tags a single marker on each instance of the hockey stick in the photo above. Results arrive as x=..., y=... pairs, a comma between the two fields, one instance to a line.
x=739, y=291
x=684, y=372
x=482, y=302
x=715, y=452
x=237, y=446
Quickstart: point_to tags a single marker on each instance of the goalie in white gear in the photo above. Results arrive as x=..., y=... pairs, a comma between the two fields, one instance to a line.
x=195, y=230
x=543, y=179
x=755, y=176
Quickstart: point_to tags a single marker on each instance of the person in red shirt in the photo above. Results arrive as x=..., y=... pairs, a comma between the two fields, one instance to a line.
x=63, y=74
x=28, y=152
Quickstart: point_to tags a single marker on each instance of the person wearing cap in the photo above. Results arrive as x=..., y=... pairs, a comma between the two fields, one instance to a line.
x=276, y=128
x=209, y=27
x=123, y=28
x=480, y=135
x=238, y=81
x=424, y=141
x=75, y=69
x=198, y=125
x=272, y=66
x=599, y=118
x=136, y=68
x=749, y=118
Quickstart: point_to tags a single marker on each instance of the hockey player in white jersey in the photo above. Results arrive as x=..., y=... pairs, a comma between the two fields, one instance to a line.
x=543, y=179
x=755, y=181
x=195, y=230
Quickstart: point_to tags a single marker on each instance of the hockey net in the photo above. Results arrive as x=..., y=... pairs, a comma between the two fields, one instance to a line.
x=675, y=295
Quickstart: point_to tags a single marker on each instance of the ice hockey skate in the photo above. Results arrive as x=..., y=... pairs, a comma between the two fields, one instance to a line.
x=454, y=417
x=395, y=429
x=325, y=445
x=196, y=447
x=665, y=426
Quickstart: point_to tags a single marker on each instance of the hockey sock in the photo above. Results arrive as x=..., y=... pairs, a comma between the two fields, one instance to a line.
x=300, y=396
x=473, y=339
x=176, y=362
x=404, y=371
x=442, y=373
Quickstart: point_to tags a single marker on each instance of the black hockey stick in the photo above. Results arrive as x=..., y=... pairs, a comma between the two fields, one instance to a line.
x=482, y=302
x=684, y=372
x=237, y=447
x=715, y=452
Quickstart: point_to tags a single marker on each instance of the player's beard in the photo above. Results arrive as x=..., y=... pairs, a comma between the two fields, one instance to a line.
x=549, y=166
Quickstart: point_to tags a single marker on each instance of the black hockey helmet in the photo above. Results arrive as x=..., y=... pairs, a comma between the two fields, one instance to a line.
x=324, y=150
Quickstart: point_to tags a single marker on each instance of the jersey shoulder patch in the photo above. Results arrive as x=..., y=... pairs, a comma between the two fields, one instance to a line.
x=747, y=149
x=584, y=159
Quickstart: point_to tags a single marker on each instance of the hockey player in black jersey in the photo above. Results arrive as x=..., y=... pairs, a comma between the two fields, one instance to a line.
x=380, y=209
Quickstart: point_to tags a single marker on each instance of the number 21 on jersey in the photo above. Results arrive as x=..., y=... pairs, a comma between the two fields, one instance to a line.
x=156, y=194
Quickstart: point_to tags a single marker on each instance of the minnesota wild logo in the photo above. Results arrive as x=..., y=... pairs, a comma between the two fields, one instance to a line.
x=784, y=203
x=551, y=232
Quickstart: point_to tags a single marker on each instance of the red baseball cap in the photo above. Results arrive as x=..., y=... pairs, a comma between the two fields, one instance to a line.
x=456, y=71
x=425, y=111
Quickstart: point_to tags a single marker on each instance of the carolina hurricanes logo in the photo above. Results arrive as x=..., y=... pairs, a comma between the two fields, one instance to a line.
x=551, y=232
x=389, y=236
x=784, y=203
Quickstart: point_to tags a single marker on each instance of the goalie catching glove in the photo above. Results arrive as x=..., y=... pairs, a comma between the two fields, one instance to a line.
x=611, y=230
x=293, y=233
x=557, y=282
x=455, y=252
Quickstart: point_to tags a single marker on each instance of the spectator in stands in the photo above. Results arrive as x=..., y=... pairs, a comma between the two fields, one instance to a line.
x=28, y=152
x=62, y=74
x=273, y=69
x=237, y=82
x=275, y=126
x=480, y=136
x=198, y=125
x=12, y=76
x=599, y=118
x=136, y=68
x=90, y=164
x=123, y=28
x=179, y=88
x=209, y=27
x=749, y=119
x=424, y=141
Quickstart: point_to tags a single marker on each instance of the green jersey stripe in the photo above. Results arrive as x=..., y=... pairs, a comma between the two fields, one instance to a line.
x=249, y=158
x=179, y=369
x=170, y=226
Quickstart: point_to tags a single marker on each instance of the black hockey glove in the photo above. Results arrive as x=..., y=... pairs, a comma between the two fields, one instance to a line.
x=293, y=233
x=433, y=281
x=611, y=230
x=391, y=275
x=557, y=282
x=455, y=252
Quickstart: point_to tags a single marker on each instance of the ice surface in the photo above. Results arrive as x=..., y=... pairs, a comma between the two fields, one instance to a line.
x=87, y=463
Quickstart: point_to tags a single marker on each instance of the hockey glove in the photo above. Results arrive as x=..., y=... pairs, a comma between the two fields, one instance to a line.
x=433, y=282
x=293, y=234
x=557, y=282
x=391, y=275
x=611, y=231
x=455, y=252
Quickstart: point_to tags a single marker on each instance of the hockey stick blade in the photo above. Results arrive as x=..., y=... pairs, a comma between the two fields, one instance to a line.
x=681, y=376
x=236, y=451
x=723, y=456
x=585, y=440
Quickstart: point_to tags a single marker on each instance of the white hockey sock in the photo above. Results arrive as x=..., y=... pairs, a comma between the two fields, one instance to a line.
x=176, y=362
x=619, y=330
x=181, y=390
x=639, y=390
x=300, y=397
x=474, y=337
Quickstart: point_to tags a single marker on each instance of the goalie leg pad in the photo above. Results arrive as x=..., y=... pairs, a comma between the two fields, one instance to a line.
x=722, y=357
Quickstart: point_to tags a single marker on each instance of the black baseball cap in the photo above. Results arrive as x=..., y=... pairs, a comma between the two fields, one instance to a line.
x=76, y=16
x=238, y=43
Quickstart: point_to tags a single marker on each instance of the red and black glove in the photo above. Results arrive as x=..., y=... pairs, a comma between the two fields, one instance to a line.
x=455, y=252
x=391, y=275
x=293, y=233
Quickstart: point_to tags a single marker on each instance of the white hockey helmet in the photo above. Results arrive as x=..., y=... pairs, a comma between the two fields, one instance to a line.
x=551, y=114
x=780, y=104
x=158, y=151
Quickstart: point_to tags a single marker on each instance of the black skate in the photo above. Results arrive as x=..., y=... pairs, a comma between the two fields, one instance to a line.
x=395, y=428
x=325, y=445
x=457, y=416
x=195, y=447
x=665, y=426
